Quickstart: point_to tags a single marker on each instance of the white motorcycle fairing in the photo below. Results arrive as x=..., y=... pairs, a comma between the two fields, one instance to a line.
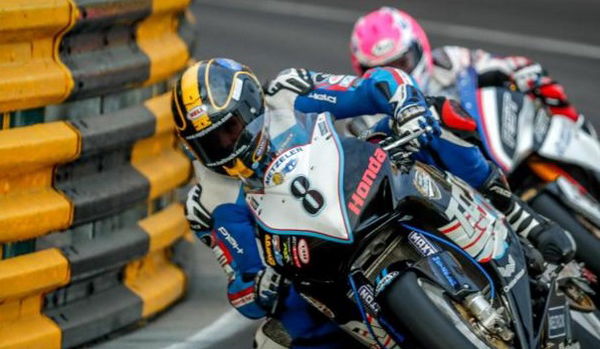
x=512, y=128
x=302, y=183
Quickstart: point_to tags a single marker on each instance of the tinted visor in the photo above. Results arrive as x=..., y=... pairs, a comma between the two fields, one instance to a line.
x=408, y=61
x=226, y=142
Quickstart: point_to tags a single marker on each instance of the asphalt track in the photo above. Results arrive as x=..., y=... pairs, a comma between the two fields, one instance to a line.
x=271, y=35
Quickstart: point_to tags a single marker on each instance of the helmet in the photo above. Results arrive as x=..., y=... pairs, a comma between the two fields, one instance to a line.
x=390, y=37
x=218, y=109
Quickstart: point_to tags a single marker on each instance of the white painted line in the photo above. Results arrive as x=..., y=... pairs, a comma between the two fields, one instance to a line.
x=224, y=327
x=456, y=31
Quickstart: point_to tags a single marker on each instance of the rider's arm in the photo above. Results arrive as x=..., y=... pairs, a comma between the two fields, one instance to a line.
x=228, y=229
x=378, y=91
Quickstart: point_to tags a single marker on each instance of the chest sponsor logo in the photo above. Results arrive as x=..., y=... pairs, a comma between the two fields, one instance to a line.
x=357, y=200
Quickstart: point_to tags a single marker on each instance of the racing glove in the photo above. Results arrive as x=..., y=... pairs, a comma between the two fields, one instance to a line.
x=533, y=80
x=415, y=115
x=556, y=244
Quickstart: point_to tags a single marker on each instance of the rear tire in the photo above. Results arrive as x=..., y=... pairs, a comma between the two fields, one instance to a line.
x=588, y=245
x=426, y=313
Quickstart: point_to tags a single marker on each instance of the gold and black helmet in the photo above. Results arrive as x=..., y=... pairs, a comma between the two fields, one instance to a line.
x=218, y=108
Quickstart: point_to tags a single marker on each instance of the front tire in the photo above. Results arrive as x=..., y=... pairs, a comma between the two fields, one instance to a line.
x=422, y=309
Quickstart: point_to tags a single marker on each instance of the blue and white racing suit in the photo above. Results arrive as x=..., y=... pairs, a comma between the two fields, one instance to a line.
x=218, y=214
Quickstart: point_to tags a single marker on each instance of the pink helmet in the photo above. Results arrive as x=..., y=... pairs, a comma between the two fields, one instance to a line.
x=390, y=37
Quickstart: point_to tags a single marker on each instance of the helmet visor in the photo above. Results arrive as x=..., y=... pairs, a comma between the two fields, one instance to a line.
x=410, y=59
x=407, y=62
x=227, y=141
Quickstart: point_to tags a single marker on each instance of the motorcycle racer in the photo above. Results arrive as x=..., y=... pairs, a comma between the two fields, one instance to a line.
x=390, y=37
x=219, y=109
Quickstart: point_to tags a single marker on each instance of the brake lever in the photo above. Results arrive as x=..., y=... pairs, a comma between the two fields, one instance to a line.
x=406, y=139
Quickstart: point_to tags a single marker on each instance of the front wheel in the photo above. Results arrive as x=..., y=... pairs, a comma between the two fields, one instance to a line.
x=431, y=317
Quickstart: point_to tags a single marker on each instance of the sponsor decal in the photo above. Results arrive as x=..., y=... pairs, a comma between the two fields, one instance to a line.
x=285, y=251
x=366, y=294
x=284, y=164
x=199, y=117
x=509, y=269
x=323, y=129
x=269, y=250
x=474, y=225
x=261, y=148
x=445, y=271
x=277, y=249
x=232, y=241
x=303, y=251
x=422, y=244
x=357, y=200
x=509, y=120
x=323, y=97
x=425, y=184
x=556, y=322
x=243, y=297
x=295, y=253
x=320, y=306
x=540, y=127
x=382, y=47
x=385, y=281
x=513, y=282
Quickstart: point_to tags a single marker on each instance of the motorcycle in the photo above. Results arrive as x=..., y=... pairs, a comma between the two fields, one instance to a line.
x=399, y=253
x=553, y=163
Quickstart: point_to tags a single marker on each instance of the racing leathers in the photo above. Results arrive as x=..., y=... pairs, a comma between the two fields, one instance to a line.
x=217, y=211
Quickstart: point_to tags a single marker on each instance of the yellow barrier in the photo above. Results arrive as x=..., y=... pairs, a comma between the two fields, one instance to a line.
x=23, y=279
x=31, y=74
x=157, y=157
x=159, y=31
x=154, y=278
x=29, y=205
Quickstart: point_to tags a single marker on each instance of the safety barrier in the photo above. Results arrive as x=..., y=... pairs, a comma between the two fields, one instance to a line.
x=89, y=166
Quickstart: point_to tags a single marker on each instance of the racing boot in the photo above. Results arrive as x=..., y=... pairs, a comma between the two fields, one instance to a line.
x=556, y=244
x=271, y=335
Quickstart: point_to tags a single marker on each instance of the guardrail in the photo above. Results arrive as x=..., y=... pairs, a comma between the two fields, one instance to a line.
x=89, y=166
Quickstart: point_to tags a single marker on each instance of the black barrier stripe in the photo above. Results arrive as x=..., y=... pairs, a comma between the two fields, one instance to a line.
x=112, y=306
x=110, y=250
x=103, y=182
x=101, y=50
x=101, y=194
x=101, y=133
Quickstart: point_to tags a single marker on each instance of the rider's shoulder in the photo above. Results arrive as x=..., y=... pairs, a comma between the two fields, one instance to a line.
x=216, y=189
